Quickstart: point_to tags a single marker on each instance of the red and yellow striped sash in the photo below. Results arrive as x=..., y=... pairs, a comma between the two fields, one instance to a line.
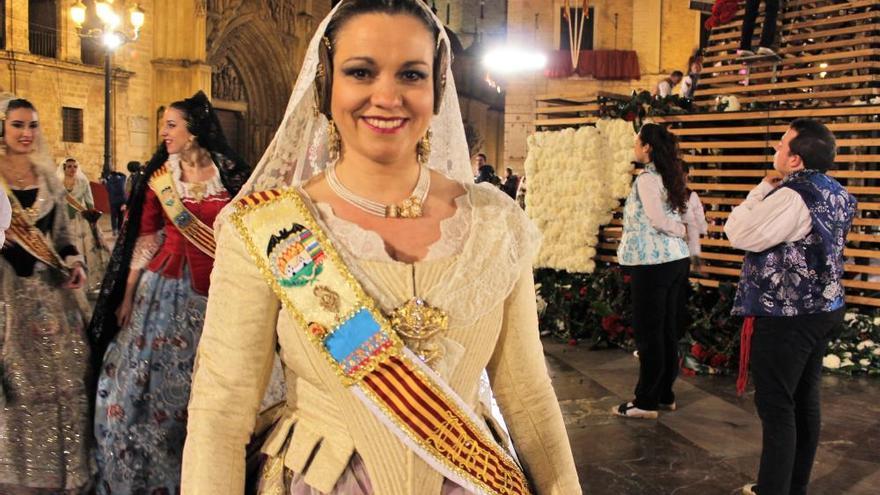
x=201, y=235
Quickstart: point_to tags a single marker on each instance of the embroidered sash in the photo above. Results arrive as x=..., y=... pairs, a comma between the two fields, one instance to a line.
x=76, y=205
x=188, y=224
x=359, y=343
x=23, y=231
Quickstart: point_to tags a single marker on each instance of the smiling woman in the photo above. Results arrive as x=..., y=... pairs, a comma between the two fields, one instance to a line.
x=415, y=281
x=44, y=409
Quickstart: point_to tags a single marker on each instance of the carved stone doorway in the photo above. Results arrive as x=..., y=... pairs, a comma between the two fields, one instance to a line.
x=254, y=48
x=232, y=123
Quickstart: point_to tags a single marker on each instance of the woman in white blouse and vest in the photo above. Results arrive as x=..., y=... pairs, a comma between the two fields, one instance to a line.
x=655, y=250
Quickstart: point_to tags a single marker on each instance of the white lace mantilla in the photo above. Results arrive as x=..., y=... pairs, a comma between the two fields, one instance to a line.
x=489, y=234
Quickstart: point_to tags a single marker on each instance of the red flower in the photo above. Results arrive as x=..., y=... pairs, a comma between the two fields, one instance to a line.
x=583, y=291
x=572, y=342
x=627, y=279
x=688, y=372
x=698, y=351
x=718, y=360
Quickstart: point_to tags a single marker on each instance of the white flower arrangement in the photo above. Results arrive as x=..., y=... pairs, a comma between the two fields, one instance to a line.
x=576, y=179
x=831, y=361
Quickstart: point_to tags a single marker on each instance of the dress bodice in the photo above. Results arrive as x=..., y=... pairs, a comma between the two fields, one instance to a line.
x=204, y=201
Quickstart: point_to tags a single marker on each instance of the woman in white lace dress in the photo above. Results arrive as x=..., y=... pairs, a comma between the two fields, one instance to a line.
x=83, y=217
x=383, y=232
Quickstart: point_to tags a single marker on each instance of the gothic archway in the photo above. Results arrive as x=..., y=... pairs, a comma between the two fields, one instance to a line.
x=253, y=49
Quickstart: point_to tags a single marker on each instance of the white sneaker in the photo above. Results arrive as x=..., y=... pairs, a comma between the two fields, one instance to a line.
x=766, y=52
x=745, y=53
x=628, y=410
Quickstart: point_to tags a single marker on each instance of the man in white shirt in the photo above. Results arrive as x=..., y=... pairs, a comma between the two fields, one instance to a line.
x=664, y=87
x=793, y=227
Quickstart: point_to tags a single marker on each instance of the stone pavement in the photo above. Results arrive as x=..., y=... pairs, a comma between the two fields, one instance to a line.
x=709, y=446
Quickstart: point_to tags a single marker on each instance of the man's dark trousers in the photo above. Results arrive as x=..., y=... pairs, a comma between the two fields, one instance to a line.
x=786, y=363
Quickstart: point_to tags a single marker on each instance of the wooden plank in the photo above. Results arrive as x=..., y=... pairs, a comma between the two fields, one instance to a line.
x=816, y=69
x=701, y=186
x=796, y=13
x=865, y=301
x=773, y=129
x=568, y=109
x=827, y=33
x=788, y=27
x=797, y=49
x=828, y=81
x=720, y=172
x=769, y=158
x=841, y=111
x=863, y=237
x=565, y=121
x=802, y=95
x=841, y=143
x=798, y=59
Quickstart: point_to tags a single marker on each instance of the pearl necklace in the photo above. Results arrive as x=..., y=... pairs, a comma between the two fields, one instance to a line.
x=410, y=208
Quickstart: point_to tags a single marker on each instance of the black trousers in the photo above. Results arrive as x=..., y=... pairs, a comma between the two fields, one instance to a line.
x=656, y=291
x=116, y=216
x=786, y=362
x=768, y=32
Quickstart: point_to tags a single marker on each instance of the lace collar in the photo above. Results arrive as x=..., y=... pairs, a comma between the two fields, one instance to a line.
x=193, y=190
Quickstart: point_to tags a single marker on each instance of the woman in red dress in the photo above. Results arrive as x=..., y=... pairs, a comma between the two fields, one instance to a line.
x=149, y=318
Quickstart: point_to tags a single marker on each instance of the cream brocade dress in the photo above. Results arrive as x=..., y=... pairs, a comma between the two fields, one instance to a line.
x=479, y=272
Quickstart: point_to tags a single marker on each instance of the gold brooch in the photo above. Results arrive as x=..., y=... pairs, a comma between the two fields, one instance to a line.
x=409, y=208
x=418, y=322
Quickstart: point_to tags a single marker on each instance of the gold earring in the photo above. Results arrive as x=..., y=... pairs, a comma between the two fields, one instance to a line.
x=423, y=149
x=334, y=143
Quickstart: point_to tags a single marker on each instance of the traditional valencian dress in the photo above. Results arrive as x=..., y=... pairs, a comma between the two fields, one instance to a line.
x=144, y=385
x=85, y=234
x=45, y=425
x=327, y=441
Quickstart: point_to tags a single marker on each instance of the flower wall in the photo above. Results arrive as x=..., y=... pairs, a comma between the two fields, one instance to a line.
x=576, y=179
x=596, y=309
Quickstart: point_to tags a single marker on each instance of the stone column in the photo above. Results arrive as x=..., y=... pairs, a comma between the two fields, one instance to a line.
x=179, y=59
x=17, y=26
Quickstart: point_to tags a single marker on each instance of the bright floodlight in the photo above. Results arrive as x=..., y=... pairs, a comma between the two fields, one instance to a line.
x=137, y=17
x=509, y=60
x=111, y=40
x=78, y=14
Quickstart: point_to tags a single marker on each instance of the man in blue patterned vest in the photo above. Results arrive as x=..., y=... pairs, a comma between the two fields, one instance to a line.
x=793, y=229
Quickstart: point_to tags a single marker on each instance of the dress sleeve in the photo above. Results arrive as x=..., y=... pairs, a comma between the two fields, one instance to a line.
x=695, y=219
x=761, y=221
x=233, y=366
x=152, y=217
x=525, y=395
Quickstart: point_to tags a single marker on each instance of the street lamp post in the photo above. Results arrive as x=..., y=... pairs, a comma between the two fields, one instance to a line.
x=112, y=36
